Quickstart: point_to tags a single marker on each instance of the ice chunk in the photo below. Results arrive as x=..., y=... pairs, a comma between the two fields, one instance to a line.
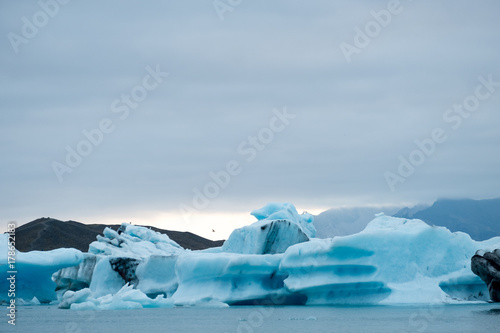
x=133, y=242
x=278, y=227
x=227, y=277
x=393, y=260
x=35, y=301
x=34, y=271
x=156, y=275
x=286, y=211
x=105, y=280
x=76, y=277
x=466, y=287
x=486, y=265
x=126, y=298
x=113, y=259
x=71, y=297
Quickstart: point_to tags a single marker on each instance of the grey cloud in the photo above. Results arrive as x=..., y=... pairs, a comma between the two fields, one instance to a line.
x=353, y=120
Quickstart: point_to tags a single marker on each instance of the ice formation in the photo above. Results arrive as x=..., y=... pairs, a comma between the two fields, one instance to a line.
x=278, y=227
x=228, y=277
x=486, y=265
x=131, y=241
x=34, y=271
x=125, y=298
x=274, y=261
x=392, y=260
x=135, y=255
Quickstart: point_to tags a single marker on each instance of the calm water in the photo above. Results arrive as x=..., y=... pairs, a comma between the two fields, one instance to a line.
x=445, y=318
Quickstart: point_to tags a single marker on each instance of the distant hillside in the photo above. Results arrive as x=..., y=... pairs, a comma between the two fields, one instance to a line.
x=47, y=234
x=347, y=221
x=479, y=218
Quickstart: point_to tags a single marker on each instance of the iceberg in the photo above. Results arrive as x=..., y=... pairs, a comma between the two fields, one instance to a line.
x=278, y=227
x=113, y=260
x=125, y=298
x=274, y=261
x=235, y=279
x=34, y=271
x=392, y=260
x=245, y=270
x=156, y=275
x=75, y=277
x=486, y=265
x=131, y=241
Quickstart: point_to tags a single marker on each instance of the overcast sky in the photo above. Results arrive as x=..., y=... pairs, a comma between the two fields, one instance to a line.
x=311, y=102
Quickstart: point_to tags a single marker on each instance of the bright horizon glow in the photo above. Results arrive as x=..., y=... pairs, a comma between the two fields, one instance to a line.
x=201, y=224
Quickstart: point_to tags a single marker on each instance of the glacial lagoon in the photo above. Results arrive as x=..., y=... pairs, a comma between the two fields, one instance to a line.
x=478, y=317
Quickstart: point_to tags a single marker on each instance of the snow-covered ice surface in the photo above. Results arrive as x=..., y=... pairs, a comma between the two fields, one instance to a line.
x=482, y=317
x=133, y=242
x=275, y=261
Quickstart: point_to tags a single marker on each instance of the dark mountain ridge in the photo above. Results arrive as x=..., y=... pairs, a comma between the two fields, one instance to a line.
x=46, y=234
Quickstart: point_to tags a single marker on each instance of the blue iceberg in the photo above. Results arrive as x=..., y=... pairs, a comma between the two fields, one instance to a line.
x=274, y=261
